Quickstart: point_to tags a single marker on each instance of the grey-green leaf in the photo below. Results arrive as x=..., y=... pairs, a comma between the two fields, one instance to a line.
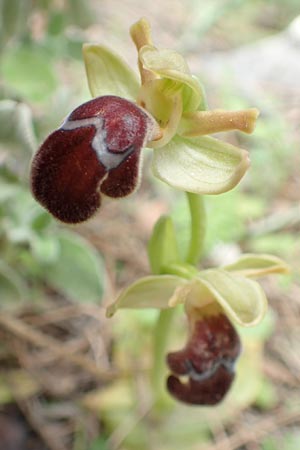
x=16, y=125
x=30, y=71
x=78, y=272
x=45, y=248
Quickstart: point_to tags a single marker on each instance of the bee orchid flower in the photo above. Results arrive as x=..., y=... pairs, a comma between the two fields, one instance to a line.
x=97, y=149
x=214, y=301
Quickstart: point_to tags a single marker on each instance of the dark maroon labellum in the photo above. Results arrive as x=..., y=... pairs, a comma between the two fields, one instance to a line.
x=207, y=360
x=96, y=150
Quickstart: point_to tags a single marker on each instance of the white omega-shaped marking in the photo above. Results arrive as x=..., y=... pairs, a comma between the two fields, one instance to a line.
x=108, y=159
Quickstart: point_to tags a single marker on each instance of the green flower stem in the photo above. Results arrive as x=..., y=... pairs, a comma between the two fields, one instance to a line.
x=198, y=226
x=160, y=344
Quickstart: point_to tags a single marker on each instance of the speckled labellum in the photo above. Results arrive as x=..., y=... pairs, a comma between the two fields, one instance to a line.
x=96, y=150
x=207, y=360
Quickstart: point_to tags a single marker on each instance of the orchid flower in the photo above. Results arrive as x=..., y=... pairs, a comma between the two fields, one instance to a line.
x=214, y=300
x=97, y=149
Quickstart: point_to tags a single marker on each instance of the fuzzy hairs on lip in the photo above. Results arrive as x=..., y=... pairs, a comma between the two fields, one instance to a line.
x=95, y=151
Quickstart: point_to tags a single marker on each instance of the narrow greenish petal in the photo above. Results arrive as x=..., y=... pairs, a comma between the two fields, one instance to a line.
x=252, y=265
x=108, y=74
x=163, y=100
x=202, y=165
x=162, y=246
x=148, y=292
x=200, y=123
x=243, y=300
x=170, y=64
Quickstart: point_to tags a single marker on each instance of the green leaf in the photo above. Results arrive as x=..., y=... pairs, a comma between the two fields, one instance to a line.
x=243, y=300
x=13, y=290
x=252, y=265
x=30, y=71
x=20, y=216
x=108, y=74
x=149, y=292
x=8, y=190
x=201, y=165
x=45, y=248
x=7, y=112
x=41, y=221
x=162, y=246
x=78, y=272
x=16, y=125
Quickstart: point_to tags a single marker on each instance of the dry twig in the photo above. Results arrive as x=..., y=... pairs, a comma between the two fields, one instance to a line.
x=39, y=339
x=260, y=429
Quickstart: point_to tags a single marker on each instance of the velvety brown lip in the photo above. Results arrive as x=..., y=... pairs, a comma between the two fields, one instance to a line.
x=207, y=361
x=96, y=150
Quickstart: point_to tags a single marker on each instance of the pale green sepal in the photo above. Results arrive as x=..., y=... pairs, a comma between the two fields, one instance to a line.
x=201, y=165
x=148, y=292
x=108, y=74
x=252, y=265
x=243, y=300
x=162, y=246
x=170, y=64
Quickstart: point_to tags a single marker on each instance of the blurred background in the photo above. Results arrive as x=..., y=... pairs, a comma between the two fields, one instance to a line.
x=70, y=379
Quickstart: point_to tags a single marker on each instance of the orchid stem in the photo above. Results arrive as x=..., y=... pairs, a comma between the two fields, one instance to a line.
x=160, y=344
x=198, y=226
x=166, y=317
